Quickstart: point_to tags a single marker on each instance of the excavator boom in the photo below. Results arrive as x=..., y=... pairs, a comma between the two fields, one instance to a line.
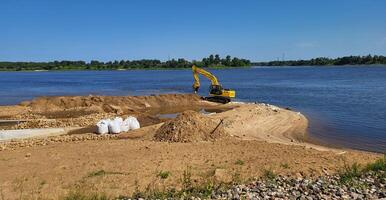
x=197, y=71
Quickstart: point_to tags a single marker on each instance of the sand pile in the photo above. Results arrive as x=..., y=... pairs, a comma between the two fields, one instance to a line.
x=116, y=104
x=190, y=126
x=75, y=111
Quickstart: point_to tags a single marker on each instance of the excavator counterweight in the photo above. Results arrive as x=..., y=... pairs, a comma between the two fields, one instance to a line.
x=216, y=92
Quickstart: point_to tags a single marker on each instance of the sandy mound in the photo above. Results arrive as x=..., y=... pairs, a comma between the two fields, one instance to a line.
x=111, y=103
x=265, y=122
x=82, y=111
x=190, y=126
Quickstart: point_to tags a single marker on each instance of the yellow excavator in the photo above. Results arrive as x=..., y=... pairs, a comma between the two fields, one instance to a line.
x=216, y=92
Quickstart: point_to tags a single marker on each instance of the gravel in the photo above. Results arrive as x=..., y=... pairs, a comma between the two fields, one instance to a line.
x=16, y=144
x=369, y=186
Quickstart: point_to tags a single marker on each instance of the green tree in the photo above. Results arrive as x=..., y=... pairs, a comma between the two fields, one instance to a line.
x=217, y=59
x=211, y=60
x=228, y=61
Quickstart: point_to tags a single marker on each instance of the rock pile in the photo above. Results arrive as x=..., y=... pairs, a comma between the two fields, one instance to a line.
x=370, y=186
x=190, y=126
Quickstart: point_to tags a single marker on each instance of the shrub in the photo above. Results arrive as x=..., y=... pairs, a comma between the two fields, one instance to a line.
x=350, y=172
x=164, y=174
x=379, y=165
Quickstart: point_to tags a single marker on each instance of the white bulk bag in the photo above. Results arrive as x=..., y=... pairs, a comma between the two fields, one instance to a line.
x=118, y=119
x=133, y=123
x=125, y=126
x=115, y=126
x=103, y=126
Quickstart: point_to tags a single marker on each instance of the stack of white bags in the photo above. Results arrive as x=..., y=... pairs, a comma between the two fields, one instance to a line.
x=117, y=125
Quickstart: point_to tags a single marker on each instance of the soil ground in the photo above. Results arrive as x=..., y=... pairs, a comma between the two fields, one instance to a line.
x=118, y=167
x=261, y=137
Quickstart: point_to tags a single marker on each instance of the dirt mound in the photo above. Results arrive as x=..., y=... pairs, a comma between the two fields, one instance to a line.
x=69, y=111
x=111, y=103
x=190, y=126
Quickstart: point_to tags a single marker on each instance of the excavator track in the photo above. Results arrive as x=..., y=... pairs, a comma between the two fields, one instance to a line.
x=217, y=99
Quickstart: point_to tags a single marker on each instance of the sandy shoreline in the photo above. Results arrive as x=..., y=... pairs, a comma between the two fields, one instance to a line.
x=247, y=121
x=260, y=136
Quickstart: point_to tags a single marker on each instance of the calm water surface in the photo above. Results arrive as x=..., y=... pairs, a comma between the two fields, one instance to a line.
x=346, y=105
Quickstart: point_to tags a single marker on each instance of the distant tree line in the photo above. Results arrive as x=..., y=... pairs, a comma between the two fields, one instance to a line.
x=347, y=60
x=228, y=61
x=210, y=61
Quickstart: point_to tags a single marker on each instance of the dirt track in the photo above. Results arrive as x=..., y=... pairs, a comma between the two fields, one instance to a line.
x=261, y=137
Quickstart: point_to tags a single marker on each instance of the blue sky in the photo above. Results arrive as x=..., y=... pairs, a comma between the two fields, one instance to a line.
x=43, y=30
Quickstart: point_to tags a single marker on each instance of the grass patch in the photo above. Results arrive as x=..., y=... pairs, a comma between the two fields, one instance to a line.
x=269, y=174
x=349, y=173
x=203, y=191
x=103, y=173
x=189, y=189
x=239, y=162
x=187, y=179
x=78, y=195
x=284, y=165
x=236, y=178
x=164, y=174
x=379, y=165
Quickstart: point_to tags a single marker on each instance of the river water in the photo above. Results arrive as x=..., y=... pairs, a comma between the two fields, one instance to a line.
x=346, y=106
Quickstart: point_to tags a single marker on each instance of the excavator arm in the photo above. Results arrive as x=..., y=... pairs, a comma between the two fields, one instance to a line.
x=196, y=72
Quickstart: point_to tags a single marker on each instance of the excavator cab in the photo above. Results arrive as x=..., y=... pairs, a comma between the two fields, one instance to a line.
x=216, y=92
x=215, y=89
